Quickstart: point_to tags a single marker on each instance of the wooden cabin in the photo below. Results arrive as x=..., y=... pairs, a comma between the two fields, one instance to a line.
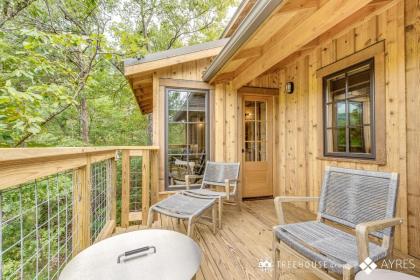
x=292, y=87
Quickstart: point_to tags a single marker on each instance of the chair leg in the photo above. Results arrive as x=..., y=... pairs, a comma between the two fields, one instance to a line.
x=214, y=218
x=150, y=218
x=238, y=201
x=190, y=228
x=220, y=212
x=275, y=258
x=348, y=272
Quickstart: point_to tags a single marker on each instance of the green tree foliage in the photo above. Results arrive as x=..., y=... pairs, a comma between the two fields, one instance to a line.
x=62, y=84
x=61, y=80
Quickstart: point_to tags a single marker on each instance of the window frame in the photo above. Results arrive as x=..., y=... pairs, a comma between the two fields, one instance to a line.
x=168, y=187
x=347, y=154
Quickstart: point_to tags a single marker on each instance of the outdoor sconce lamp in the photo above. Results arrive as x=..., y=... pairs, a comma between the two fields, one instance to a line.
x=290, y=87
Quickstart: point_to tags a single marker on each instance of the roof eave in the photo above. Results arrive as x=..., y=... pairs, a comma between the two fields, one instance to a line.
x=261, y=11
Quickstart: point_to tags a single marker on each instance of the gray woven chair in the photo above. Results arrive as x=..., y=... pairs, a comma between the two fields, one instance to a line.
x=356, y=199
x=216, y=174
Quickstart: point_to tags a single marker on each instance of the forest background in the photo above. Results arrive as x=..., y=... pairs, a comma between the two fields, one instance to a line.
x=61, y=65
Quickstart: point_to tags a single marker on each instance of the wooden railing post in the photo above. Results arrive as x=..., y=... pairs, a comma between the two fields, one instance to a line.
x=125, y=188
x=81, y=207
x=145, y=182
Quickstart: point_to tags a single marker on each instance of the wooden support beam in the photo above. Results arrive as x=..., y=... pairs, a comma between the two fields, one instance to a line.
x=298, y=5
x=259, y=90
x=247, y=53
x=316, y=24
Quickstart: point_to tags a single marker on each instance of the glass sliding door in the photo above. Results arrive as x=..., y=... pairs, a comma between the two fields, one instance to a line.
x=186, y=135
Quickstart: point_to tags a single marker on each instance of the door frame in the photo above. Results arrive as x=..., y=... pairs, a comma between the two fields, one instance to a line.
x=257, y=92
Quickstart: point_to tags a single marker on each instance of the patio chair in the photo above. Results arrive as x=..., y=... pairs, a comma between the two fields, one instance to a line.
x=184, y=206
x=352, y=199
x=219, y=174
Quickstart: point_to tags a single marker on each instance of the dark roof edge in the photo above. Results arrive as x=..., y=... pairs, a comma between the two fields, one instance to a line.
x=176, y=52
x=255, y=18
x=234, y=17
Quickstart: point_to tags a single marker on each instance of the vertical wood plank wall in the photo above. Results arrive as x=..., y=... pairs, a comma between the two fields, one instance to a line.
x=300, y=167
x=412, y=27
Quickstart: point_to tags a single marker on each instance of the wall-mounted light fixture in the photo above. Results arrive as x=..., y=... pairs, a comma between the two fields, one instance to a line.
x=290, y=87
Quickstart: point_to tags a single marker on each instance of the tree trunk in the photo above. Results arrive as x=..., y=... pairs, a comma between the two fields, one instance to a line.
x=84, y=120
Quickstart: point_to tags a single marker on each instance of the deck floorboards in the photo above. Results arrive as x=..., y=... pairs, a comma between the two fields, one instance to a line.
x=245, y=239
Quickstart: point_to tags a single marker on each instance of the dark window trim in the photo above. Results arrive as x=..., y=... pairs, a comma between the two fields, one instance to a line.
x=166, y=132
x=347, y=154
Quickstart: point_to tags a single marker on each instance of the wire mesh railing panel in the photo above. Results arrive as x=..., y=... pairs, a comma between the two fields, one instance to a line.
x=135, y=184
x=36, y=232
x=101, y=182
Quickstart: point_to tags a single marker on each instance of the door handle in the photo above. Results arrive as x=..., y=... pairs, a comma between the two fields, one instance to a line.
x=243, y=150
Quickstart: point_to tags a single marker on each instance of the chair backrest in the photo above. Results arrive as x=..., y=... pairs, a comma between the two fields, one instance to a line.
x=350, y=197
x=216, y=173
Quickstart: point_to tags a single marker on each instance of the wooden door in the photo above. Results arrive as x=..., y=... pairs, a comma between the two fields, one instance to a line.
x=257, y=146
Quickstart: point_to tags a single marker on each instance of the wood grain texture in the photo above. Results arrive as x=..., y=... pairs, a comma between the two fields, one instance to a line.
x=245, y=239
x=412, y=37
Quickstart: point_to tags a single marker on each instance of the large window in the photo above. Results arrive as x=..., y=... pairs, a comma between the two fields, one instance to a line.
x=186, y=135
x=349, y=112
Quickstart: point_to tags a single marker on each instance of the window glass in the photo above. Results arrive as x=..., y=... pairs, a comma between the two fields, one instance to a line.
x=348, y=112
x=187, y=134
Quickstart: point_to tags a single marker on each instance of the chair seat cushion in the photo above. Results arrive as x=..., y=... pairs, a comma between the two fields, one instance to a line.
x=182, y=206
x=329, y=247
x=206, y=192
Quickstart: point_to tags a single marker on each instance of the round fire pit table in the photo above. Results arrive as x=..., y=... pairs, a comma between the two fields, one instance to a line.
x=144, y=254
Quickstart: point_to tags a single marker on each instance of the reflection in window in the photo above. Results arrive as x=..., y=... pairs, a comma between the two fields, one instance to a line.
x=255, y=130
x=186, y=135
x=348, y=115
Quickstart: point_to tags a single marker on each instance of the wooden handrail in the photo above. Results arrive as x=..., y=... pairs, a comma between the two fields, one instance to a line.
x=8, y=155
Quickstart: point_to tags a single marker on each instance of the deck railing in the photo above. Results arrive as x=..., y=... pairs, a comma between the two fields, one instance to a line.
x=55, y=202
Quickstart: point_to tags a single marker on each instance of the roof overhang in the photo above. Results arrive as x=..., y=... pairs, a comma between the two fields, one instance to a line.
x=241, y=13
x=260, y=12
x=154, y=61
x=275, y=31
x=139, y=72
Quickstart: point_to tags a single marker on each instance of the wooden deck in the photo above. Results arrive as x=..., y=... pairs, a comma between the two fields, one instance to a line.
x=235, y=251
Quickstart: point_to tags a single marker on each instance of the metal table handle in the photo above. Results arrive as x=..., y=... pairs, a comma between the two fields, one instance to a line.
x=136, y=251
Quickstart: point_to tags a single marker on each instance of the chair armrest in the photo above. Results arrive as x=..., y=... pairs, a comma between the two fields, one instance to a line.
x=279, y=200
x=187, y=180
x=364, y=229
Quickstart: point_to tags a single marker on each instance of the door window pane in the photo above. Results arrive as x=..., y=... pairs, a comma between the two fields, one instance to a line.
x=250, y=151
x=255, y=132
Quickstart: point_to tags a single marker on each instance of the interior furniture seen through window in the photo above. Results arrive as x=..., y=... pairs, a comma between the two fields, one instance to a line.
x=186, y=135
x=349, y=112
